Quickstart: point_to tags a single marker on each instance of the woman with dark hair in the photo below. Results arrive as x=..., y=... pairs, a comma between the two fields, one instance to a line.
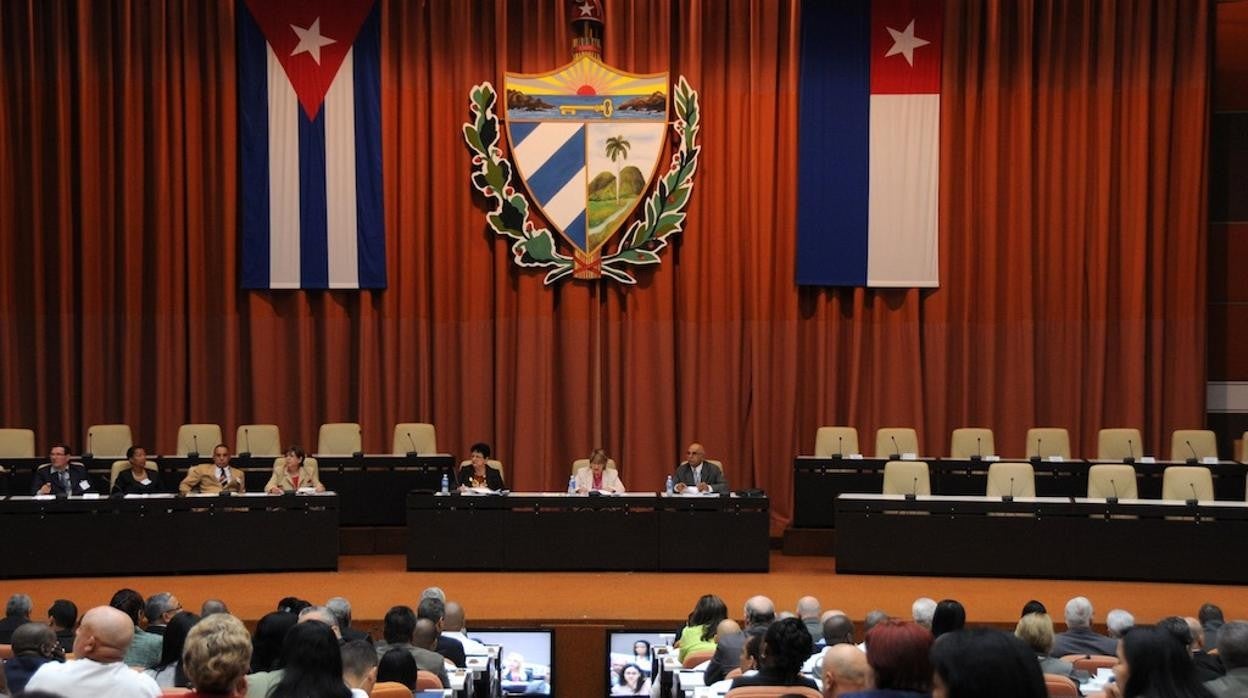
x=399, y=666
x=137, y=479
x=631, y=681
x=897, y=652
x=292, y=474
x=949, y=616
x=641, y=656
x=985, y=664
x=266, y=654
x=168, y=671
x=312, y=664
x=1152, y=663
x=786, y=646
x=1033, y=606
x=699, y=632
x=478, y=472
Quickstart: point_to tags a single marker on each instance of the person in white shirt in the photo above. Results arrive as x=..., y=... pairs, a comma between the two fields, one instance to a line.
x=453, y=627
x=98, y=672
x=359, y=667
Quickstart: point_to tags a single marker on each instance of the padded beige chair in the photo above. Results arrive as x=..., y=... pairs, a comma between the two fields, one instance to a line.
x=120, y=465
x=1046, y=442
x=1013, y=479
x=339, y=438
x=414, y=436
x=200, y=438
x=1105, y=481
x=1193, y=443
x=907, y=477
x=1184, y=481
x=907, y=441
x=497, y=465
x=1118, y=444
x=258, y=439
x=1091, y=662
x=427, y=681
x=584, y=463
x=17, y=443
x=109, y=440
x=830, y=441
x=971, y=441
x=772, y=692
x=1058, y=686
x=695, y=658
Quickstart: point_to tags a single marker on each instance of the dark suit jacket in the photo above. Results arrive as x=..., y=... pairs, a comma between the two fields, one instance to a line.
x=1083, y=641
x=727, y=657
x=453, y=650
x=77, y=475
x=493, y=479
x=351, y=634
x=711, y=475
x=126, y=484
x=8, y=624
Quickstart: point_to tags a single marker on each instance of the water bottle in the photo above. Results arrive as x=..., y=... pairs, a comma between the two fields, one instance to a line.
x=572, y=485
x=446, y=484
x=668, y=487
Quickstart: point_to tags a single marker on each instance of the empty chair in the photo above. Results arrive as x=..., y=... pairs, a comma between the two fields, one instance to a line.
x=258, y=439
x=772, y=692
x=109, y=440
x=831, y=441
x=414, y=437
x=1187, y=482
x=1011, y=479
x=895, y=440
x=1193, y=444
x=1046, y=442
x=339, y=437
x=427, y=681
x=969, y=442
x=1105, y=481
x=17, y=443
x=1058, y=686
x=198, y=438
x=907, y=477
x=1090, y=662
x=1118, y=444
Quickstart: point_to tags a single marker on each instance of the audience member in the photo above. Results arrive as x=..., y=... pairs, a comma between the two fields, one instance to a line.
x=16, y=614
x=1211, y=620
x=1119, y=622
x=1036, y=630
x=211, y=606
x=266, y=643
x=99, y=671
x=399, y=631
x=750, y=659
x=898, y=656
x=1033, y=606
x=34, y=644
x=838, y=629
x=398, y=666
x=341, y=608
x=359, y=667
x=984, y=664
x=1181, y=631
x=311, y=664
x=453, y=625
x=1233, y=651
x=158, y=610
x=63, y=616
x=293, y=604
x=949, y=616
x=433, y=593
x=1152, y=664
x=630, y=681
x=434, y=609
x=786, y=645
x=321, y=615
x=698, y=635
x=808, y=612
x=845, y=670
x=1208, y=666
x=759, y=610
x=922, y=609
x=729, y=640
x=216, y=656
x=144, y=649
x=1079, y=637
x=873, y=619
x=169, y=672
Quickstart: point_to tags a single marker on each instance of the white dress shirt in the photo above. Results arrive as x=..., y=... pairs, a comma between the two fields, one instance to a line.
x=87, y=678
x=471, y=646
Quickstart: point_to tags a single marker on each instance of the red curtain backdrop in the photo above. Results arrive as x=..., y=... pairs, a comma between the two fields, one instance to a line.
x=1073, y=163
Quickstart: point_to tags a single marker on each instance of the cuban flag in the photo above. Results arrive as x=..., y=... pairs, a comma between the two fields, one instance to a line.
x=869, y=143
x=309, y=103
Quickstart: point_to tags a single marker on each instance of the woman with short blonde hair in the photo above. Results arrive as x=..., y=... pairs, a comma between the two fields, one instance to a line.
x=1036, y=629
x=217, y=656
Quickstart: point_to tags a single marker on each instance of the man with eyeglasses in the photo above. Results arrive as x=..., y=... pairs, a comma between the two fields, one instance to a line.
x=60, y=477
x=215, y=477
x=159, y=610
x=699, y=473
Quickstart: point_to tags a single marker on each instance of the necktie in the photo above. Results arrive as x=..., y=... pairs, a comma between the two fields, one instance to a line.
x=223, y=476
x=65, y=482
x=697, y=476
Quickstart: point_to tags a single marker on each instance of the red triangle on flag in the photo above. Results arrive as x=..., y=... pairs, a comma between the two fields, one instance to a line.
x=310, y=38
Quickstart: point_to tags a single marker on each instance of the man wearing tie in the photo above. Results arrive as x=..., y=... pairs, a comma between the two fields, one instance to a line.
x=699, y=473
x=215, y=477
x=60, y=477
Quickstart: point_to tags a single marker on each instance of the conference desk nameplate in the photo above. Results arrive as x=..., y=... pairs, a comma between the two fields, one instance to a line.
x=1046, y=537
x=164, y=534
x=545, y=531
x=818, y=481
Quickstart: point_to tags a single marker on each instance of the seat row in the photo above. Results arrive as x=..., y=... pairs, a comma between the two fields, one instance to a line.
x=113, y=440
x=1042, y=442
x=1184, y=482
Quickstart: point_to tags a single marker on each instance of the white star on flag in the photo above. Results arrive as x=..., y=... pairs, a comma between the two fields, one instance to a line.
x=587, y=9
x=311, y=41
x=905, y=42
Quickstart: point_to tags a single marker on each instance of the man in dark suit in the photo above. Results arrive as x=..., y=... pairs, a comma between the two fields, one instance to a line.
x=159, y=610
x=1211, y=620
x=728, y=643
x=60, y=477
x=433, y=609
x=341, y=608
x=63, y=617
x=699, y=473
x=1233, y=650
x=1079, y=637
x=16, y=614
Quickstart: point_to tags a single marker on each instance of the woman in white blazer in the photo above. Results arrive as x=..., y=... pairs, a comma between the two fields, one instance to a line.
x=597, y=476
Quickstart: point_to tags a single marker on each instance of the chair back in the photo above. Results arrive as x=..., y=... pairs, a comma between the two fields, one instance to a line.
x=490, y=462
x=1118, y=444
x=906, y=441
x=1187, y=481
x=972, y=441
x=120, y=465
x=695, y=658
x=427, y=681
x=584, y=463
x=1058, y=686
x=258, y=439
x=17, y=443
x=420, y=437
x=773, y=692
x=1112, y=480
x=1193, y=443
x=109, y=440
x=1047, y=441
x=1013, y=479
x=907, y=477
x=1090, y=662
x=339, y=438
x=394, y=689
x=830, y=441
x=200, y=438
x=6, y=652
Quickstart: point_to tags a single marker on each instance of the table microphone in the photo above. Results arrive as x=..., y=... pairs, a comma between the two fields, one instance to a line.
x=979, y=450
x=1195, y=499
x=412, y=453
x=358, y=454
x=896, y=454
x=1036, y=458
x=90, y=451
x=1113, y=499
x=1009, y=497
x=194, y=451
x=1194, y=458
x=914, y=489
x=247, y=442
x=1130, y=453
x=840, y=447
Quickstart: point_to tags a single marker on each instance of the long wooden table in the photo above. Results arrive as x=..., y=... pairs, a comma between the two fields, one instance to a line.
x=1053, y=537
x=544, y=531
x=162, y=534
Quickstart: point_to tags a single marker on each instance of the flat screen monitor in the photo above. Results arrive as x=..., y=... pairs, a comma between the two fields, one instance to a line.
x=629, y=657
x=525, y=658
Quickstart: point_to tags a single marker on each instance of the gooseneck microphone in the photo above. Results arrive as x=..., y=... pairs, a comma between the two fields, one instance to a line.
x=90, y=451
x=1194, y=458
x=896, y=454
x=840, y=447
x=1113, y=499
x=914, y=489
x=412, y=453
x=979, y=449
x=1195, y=499
x=1009, y=497
x=1130, y=453
x=246, y=443
x=1036, y=458
x=358, y=454
x=194, y=449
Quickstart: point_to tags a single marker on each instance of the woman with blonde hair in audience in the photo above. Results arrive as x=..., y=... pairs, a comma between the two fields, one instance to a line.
x=699, y=632
x=293, y=474
x=1036, y=629
x=217, y=655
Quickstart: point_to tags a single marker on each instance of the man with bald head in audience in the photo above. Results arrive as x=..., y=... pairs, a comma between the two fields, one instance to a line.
x=424, y=646
x=808, y=613
x=98, y=672
x=728, y=643
x=453, y=627
x=845, y=670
